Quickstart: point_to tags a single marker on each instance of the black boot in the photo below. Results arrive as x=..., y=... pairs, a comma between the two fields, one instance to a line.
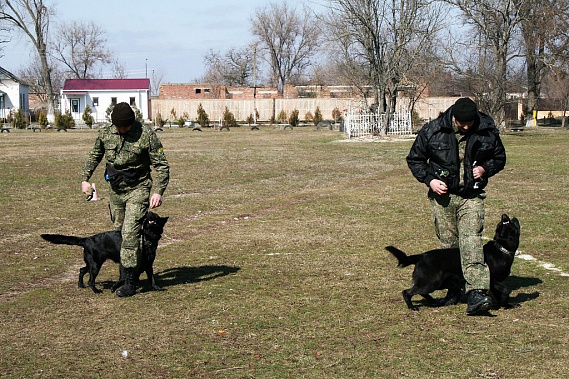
x=128, y=288
x=478, y=302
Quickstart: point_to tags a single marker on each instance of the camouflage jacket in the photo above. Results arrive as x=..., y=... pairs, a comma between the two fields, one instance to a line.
x=136, y=152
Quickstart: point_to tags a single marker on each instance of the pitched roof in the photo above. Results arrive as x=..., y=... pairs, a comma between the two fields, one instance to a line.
x=105, y=84
x=4, y=74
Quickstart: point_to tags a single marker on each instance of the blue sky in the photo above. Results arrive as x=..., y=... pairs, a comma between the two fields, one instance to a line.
x=169, y=36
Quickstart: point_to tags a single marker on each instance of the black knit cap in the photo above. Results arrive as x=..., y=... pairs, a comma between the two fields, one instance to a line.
x=464, y=110
x=122, y=115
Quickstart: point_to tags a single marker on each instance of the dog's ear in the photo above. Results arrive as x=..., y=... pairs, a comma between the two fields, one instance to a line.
x=516, y=223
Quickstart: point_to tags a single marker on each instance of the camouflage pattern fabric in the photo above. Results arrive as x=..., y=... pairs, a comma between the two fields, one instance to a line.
x=459, y=222
x=136, y=152
x=128, y=210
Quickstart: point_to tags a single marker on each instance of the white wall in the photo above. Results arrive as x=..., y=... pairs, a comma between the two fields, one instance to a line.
x=99, y=111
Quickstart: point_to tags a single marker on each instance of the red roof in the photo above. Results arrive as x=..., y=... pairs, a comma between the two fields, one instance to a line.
x=105, y=84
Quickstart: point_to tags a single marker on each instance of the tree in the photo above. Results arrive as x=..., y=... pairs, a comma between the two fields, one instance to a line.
x=80, y=47
x=378, y=43
x=490, y=50
x=234, y=68
x=203, y=118
x=287, y=40
x=32, y=18
x=543, y=28
x=88, y=116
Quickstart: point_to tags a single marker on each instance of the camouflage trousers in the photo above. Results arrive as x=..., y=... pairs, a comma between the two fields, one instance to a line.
x=459, y=222
x=128, y=210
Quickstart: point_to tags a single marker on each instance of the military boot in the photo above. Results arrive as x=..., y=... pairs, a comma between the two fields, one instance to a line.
x=128, y=288
x=478, y=302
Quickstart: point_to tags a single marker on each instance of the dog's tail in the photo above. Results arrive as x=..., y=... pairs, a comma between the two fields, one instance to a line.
x=404, y=259
x=60, y=239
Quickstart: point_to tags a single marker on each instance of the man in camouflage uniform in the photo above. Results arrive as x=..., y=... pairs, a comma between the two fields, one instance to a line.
x=454, y=156
x=130, y=149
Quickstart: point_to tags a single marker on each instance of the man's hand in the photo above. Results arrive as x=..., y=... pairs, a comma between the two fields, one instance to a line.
x=85, y=187
x=438, y=186
x=155, y=201
x=478, y=172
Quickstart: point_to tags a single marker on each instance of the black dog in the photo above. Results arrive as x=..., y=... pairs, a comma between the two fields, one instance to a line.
x=440, y=269
x=107, y=245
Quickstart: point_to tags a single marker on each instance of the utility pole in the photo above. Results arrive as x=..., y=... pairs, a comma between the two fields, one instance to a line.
x=255, y=85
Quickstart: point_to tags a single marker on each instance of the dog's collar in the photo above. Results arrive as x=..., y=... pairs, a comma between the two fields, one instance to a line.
x=503, y=249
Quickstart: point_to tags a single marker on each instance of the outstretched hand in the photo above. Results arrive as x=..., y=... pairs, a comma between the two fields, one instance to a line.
x=155, y=201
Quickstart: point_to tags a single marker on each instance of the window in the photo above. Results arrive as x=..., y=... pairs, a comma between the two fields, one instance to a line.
x=206, y=90
x=114, y=101
x=95, y=101
x=132, y=102
x=75, y=105
x=198, y=90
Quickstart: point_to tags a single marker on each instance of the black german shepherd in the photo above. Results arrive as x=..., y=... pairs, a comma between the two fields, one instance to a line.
x=441, y=269
x=107, y=245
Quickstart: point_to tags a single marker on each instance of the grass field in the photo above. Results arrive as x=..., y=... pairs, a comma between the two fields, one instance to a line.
x=274, y=263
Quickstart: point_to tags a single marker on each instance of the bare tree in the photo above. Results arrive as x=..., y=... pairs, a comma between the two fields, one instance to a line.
x=33, y=75
x=32, y=18
x=543, y=25
x=287, y=38
x=234, y=68
x=382, y=42
x=80, y=47
x=482, y=55
x=155, y=81
x=118, y=70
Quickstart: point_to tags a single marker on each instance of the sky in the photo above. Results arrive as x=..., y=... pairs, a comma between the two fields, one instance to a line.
x=170, y=37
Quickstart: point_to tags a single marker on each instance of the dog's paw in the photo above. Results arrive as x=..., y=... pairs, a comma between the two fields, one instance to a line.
x=156, y=288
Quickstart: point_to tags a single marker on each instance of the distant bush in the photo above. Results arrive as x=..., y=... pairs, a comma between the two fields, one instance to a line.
x=293, y=118
x=42, y=119
x=317, y=116
x=87, y=117
x=228, y=118
x=282, y=117
x=203, y=118
x=18, y=120
x=64, y=121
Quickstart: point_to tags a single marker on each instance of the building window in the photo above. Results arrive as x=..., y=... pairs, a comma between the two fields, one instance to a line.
x=206, y=90
x=113, y=101
x=75, y=105
x=95, y=101
x=198, y=90
x=132, y=102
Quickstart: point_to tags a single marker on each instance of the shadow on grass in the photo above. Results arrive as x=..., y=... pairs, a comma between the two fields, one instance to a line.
x=512, y=282
x=183, y=275
x=518, y=282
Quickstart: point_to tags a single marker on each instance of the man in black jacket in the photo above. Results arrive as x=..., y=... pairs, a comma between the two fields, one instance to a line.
x=454, y=156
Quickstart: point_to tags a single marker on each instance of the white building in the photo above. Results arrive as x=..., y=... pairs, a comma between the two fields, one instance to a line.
x=14, y=95
x=99, y=94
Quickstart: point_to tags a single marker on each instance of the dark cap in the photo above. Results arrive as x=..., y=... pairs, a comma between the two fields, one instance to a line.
x=465, y=110
x=122, y=115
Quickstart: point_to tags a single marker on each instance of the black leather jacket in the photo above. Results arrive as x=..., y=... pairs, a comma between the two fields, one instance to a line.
x=434, y=154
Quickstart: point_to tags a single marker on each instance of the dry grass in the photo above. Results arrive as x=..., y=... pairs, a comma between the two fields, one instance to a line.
x=274, y=264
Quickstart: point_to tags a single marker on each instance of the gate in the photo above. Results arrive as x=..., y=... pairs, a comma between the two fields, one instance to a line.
x=359, y=123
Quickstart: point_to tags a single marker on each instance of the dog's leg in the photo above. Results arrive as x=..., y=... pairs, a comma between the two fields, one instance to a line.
x=119, y=282
x=502, y=295
x=82, y=272
x=92, y=275
x=150, y=275
x=407, y=295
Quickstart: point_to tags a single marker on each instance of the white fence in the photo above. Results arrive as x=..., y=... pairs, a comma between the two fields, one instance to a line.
x=360, y=124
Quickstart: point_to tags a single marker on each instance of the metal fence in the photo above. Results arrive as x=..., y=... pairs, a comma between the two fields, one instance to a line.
x=360, y=124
